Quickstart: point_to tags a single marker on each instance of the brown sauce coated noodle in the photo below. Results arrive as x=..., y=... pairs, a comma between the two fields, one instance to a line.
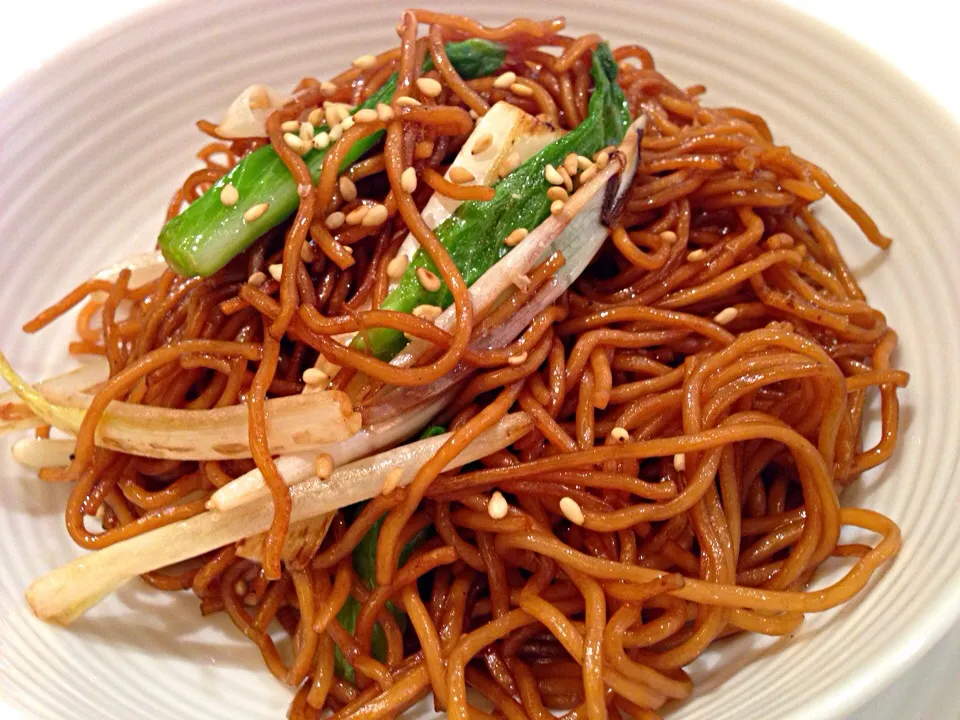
x=719, y=327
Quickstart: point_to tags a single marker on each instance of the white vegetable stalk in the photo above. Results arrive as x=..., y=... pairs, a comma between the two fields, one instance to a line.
x=578, y=232
x=144, y=268
x=510, y=130
x=17, y=415
x=304, y=538
x=247, y=115
x=66, y=593
x=252, y=488
x=294, y=424
x=36, y=453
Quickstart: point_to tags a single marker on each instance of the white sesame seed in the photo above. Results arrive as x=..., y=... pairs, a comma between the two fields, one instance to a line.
x=397, y=267
x=356, y=216
x=316, y=116
x=521, y=89
x=584, y=162
x=335, y=220
x=429, y=281
x=348, y=191
x=570, y=164
x=460, y=175
x=366, y=115
x=602, y=159
x=321, y=140
x=505, y=80
x=557, y=193
x=229, y=195
x=474, y=114
x=331, y=115
x=255, y=211
x=407, y=101
x=323, y=465
x=276, y=271
x=679, y=462
x=303, y=189
x=365, y=62
x=497, y=507
x=727, y=315
x=481, y=143
x=587, y=175
x=517, y=359
x=668, y=236
x=256, y=279
x=348, y=249
x=295, y=143
x=307, y=253
x=347, y=123
x=556, y=207
x=306, y=131
x=391, y=481
x=427, y=312
x=429, y=87
x=567, y=180
x=516, y=237
x=290, y=126
x=620, y=434
x=571, y=510
x=697, y=255
x=376, y=215
x=384, y=112
x=327, y=88
x=336, y=132
x=314, y=376
x=552, y=176
x=408, y=180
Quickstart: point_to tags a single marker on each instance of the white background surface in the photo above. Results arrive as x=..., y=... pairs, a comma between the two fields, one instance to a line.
x=918, y=37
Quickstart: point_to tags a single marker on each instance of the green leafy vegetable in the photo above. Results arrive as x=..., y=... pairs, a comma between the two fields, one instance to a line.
x=432, y=431
x=208, y=234
x=347, y=617
x=364, y=562
x=474, y=234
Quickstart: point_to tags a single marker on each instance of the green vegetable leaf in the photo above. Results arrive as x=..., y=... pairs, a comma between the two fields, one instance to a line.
x=347, y=617
x=432, y=431
x=364, y=562
x=474, y=234
x=208, y=234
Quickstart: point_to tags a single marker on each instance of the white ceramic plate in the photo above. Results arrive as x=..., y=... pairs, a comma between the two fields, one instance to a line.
x=92, y=144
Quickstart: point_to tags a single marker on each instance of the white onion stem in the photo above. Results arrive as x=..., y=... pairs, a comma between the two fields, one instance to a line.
x=294, y=424
x=36, y=453
x=252, y=488
x=64, y=594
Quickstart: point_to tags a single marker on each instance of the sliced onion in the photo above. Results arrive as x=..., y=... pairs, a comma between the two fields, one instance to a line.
x=511, y=130
x=294, y=424
x=36, y=453
x=66, y=593
x=252, y=488
x=17, y=415
x=304, y=538
x=578, y=232
x=247, y=115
